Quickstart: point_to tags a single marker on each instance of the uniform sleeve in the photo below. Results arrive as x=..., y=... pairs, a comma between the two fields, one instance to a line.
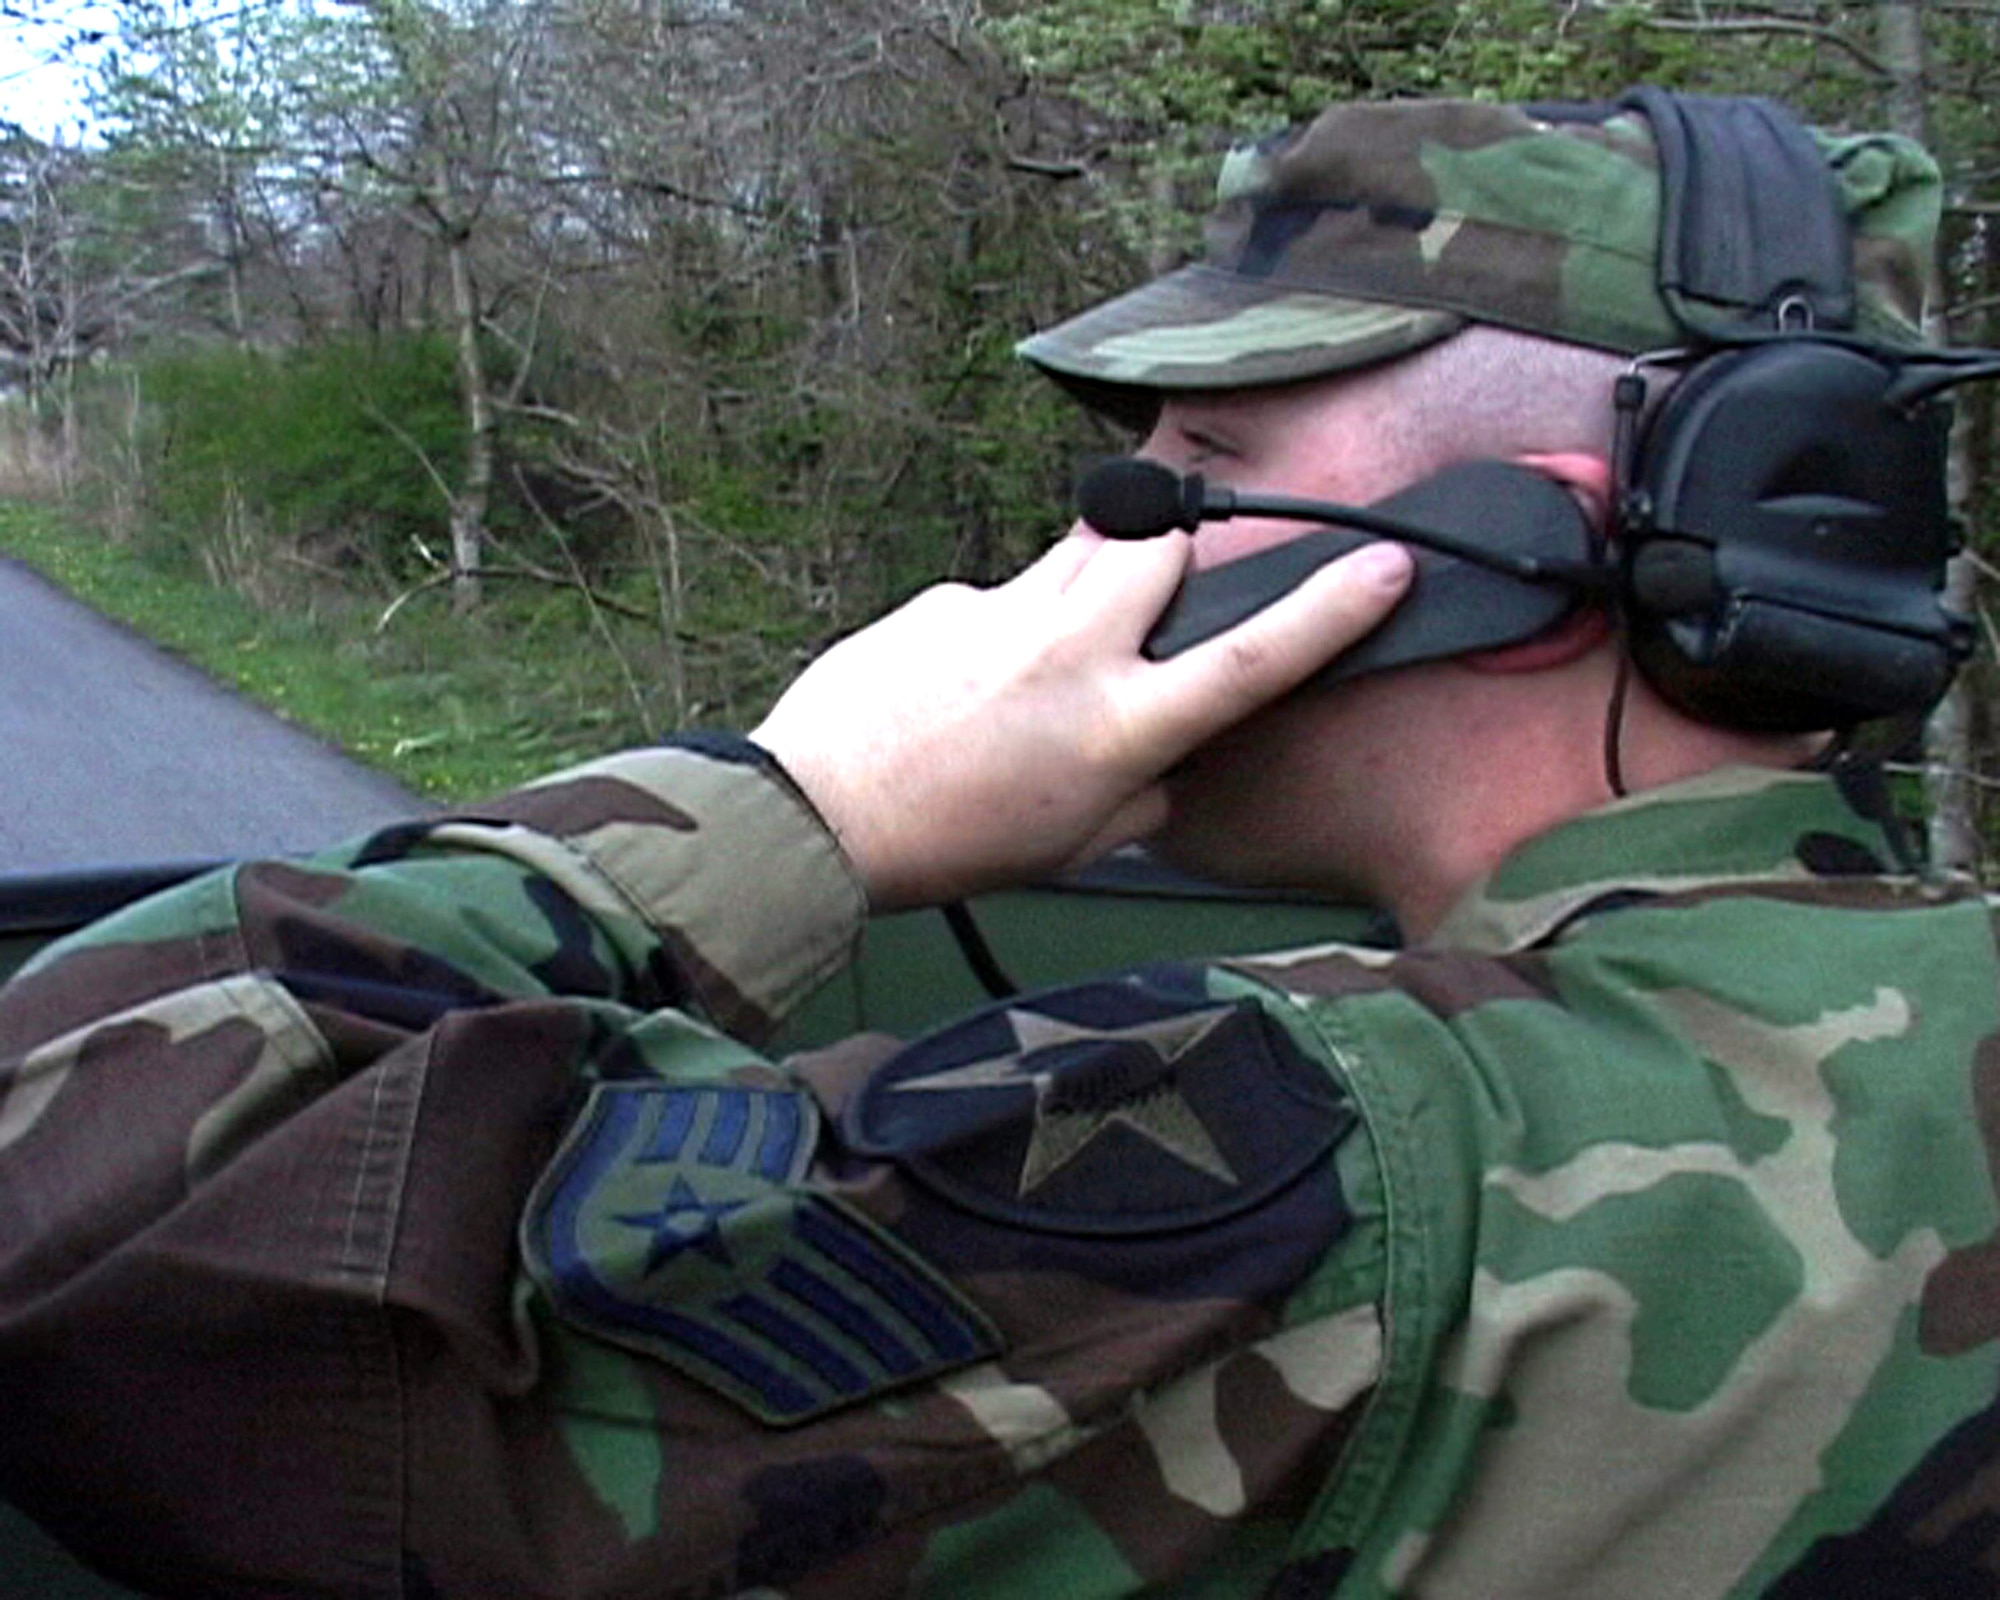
x=240, y=1122
x=423, y=1221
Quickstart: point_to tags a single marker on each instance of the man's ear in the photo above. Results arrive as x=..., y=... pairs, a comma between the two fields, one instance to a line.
x=1588, y=478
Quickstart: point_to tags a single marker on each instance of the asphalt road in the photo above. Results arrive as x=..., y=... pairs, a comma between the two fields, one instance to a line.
x=113, y=752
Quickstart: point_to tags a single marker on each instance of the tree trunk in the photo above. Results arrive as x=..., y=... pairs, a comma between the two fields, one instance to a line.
x=1162, y=254
x=468, y=505
x=1954, y=825
x=233, y=249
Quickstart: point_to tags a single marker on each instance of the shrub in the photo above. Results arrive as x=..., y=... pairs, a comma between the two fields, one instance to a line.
x=322, y=456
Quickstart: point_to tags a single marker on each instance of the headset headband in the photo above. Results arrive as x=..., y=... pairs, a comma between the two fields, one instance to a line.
x=1754, y=240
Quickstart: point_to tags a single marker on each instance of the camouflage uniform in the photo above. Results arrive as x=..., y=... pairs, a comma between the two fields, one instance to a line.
x=421, y=1219
x=404, y=1222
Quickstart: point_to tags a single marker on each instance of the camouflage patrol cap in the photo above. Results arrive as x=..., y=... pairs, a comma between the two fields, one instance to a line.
x=1381, y=228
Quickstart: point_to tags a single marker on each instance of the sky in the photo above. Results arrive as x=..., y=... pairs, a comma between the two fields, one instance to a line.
x=45, y=56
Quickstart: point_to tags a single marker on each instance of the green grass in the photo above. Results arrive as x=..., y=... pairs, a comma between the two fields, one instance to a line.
x=450, y=708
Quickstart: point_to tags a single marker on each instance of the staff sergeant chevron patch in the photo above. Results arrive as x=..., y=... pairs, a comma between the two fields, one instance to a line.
x=673, y=1221
x=1116, y=1108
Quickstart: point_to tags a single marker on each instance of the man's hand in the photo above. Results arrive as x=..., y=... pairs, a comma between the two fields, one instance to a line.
x=976, y=738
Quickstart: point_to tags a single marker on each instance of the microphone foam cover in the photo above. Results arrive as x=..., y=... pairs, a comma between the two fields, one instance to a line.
x=1126, y=498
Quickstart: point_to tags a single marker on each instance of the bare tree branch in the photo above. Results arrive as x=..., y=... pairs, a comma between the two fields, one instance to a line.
x=1048, y=169
x=1772, y=25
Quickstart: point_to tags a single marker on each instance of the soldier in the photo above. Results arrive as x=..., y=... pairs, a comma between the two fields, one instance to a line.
x=422, y=1219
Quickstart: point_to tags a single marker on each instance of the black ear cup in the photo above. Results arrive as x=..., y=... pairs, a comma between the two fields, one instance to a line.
x=1784, y=540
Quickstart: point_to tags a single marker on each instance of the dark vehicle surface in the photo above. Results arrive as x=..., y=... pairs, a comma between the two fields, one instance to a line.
x=916, y=969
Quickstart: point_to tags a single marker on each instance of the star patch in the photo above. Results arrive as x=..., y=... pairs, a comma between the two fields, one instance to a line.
x=678, y=1222
x=1113, y=1108
x=1105, y=1087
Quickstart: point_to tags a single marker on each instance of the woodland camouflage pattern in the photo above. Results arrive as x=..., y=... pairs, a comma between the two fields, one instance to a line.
x=421, y=1220
x=1380, y=228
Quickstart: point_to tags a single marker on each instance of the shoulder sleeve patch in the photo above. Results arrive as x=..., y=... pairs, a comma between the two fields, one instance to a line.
x=673, y=1221
x=1125, y=1107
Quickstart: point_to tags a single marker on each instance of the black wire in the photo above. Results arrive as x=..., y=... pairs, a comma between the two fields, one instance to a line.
x=978, y=953
x=1614, y=723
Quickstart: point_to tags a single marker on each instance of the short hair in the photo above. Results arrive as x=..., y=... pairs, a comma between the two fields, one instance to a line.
x=1492, y=392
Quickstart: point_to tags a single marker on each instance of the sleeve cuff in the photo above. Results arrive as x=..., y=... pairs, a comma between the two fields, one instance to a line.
x=707, y=839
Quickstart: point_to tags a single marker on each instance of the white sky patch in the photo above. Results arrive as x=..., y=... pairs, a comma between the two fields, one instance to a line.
x=52, y=51
x=49, y=50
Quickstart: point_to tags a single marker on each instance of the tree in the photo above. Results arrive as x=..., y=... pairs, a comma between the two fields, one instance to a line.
x=44, y=324
x=72, y=279
x=730, y=285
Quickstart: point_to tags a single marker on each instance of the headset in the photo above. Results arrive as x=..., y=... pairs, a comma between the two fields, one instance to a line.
x=1780, y=530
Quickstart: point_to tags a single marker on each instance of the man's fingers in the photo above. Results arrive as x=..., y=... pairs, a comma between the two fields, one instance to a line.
x=1125, y=585
x=981, y=736
x=1224, y=679
x=1050, y=573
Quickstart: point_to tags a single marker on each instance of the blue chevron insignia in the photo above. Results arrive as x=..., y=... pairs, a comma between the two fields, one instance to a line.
x=676, y=1222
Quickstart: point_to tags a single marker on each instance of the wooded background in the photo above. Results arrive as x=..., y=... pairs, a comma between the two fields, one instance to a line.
x=700, y=312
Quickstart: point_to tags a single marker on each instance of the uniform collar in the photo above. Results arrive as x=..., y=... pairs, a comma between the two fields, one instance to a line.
x=1732, y=825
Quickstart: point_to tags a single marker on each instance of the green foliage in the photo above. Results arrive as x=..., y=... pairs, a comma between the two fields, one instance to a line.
x=1161, y=65
x=1178, y=76
x=1184, y=72
x=327, y=451
x=1180, y=79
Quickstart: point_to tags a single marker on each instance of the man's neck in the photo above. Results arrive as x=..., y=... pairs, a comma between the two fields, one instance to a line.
x=1552, y=767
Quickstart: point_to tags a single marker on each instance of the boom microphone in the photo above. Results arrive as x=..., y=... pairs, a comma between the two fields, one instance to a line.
x=1503, y=553
x=1131, y=498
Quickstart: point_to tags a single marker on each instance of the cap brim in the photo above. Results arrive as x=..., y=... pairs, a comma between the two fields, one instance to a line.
x=1202, y=328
